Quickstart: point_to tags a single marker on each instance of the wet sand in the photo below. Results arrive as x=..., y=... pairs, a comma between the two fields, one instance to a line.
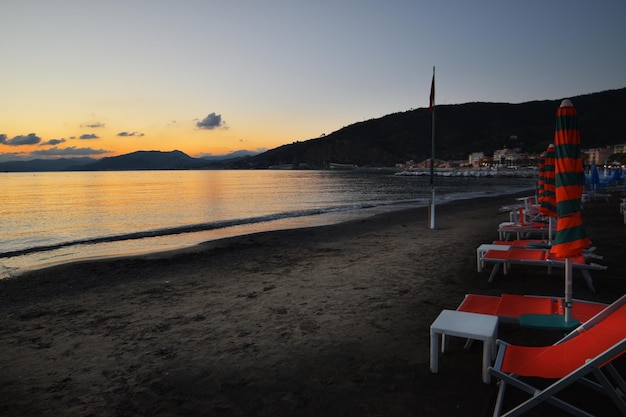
x=327, y=321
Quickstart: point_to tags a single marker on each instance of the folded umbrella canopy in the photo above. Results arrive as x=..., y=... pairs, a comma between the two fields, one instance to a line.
x=594, y=178
x=540, y=179
x=571, y=238
x=547, y=203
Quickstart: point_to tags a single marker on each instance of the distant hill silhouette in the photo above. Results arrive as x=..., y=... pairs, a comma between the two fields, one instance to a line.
x=140, y=160
x=145, y=160
x=460, y=130
x=34, y=165
x=230, y=156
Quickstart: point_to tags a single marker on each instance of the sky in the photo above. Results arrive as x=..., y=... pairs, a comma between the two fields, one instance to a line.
x=104, y=78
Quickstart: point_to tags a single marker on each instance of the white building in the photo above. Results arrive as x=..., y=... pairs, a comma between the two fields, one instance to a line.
x=598, y=156
x=475, y=158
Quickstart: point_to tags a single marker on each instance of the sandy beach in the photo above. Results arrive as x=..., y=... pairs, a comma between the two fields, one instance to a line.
x=328, y=321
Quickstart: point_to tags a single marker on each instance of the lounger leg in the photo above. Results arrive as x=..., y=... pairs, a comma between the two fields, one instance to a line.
x=588, y=280
x=537, y=397
x=616, y=377
x=487, y=357
x=610, y=390
x=434, y=352
x=497, y=409
x=494, y=271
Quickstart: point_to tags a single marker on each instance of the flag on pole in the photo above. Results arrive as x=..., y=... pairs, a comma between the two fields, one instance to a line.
x=431, y=212
x=432, y=93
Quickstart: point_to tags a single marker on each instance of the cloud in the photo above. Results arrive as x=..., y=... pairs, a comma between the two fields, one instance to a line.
x=70, y=151
x=95, y=125
x=30, y=139
x=89, y=136
x=124, y=134
x=52, y=142
x=212, y=121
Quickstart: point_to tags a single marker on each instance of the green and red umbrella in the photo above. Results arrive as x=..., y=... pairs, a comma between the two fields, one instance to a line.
x=571, y=237
x=540, y=181
x=547, y=203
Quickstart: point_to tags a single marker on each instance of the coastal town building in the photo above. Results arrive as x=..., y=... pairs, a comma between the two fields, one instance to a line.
x=513, y=159
x=506, y=158
x=598, y=156
x=476, y=159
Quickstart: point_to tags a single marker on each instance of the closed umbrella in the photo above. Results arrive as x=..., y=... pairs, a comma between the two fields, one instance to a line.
x=547, y=205
x=571, y=237
x=594, y=178
x=540, y=180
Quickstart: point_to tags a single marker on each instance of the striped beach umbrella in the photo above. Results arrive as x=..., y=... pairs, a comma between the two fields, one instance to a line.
x=547, y=204
x=540, y=180
x=571, y=238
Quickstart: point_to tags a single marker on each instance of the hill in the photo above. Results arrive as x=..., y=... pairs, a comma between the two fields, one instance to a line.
x=145, y=160
x=140, y=160
x=35, y=165
x=460, y=130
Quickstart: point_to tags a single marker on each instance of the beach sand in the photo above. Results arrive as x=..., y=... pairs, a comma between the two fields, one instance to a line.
x=328, y=321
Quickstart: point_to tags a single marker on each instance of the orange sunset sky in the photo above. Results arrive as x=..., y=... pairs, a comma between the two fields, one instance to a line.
x=86, y=78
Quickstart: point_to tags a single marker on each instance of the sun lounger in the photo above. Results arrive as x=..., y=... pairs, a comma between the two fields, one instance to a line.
x=588, y=253
x=506, y=230
x=524, y=243
x=509, y=307
x=506, y=245
x=588, y=350
x=587, y=197
x=536, y=257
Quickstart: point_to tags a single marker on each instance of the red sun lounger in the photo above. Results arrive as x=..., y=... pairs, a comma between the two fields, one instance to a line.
x=588, y=350
x=536, y=257
x=509, y=307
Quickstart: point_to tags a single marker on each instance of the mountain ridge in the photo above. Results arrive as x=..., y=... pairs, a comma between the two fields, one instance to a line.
x=460, y=130
x=138, y=160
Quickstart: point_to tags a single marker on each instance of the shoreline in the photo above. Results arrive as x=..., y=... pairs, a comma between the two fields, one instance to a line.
x=114, y=248
x=330, y=320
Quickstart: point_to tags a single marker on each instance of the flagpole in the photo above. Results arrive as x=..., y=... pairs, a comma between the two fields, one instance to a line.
x=432, y=155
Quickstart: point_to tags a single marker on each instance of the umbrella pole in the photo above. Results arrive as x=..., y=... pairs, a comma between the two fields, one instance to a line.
x=568, y=289
x=550, y=230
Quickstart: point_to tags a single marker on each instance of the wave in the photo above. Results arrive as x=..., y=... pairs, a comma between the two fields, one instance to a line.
x=201, y=227
x=223, y=224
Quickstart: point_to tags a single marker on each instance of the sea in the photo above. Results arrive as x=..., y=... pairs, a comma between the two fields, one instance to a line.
x=53, y=218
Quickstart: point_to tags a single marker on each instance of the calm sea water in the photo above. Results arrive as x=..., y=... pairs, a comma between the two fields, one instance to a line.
x=52, y=218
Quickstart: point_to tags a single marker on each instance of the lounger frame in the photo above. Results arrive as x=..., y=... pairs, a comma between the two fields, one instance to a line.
x=607, y=381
